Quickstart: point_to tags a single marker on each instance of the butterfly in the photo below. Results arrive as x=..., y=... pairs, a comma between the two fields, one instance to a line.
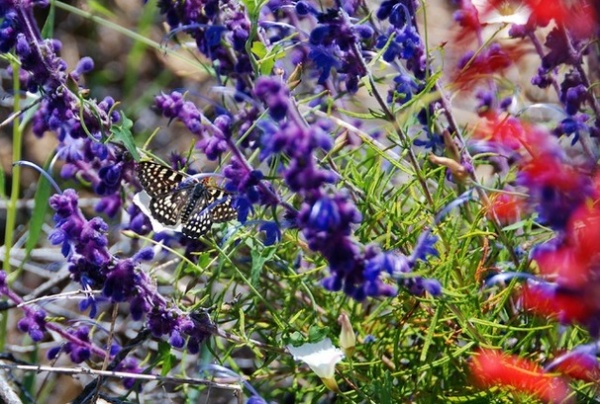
x=180, y=202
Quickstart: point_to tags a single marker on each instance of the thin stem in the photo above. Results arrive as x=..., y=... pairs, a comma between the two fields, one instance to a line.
x=39, y=169
x=390, y=117
x=460, y=145
x=11, y=208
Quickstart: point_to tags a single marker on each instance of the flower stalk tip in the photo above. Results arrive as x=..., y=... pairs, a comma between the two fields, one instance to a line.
x=347, y=336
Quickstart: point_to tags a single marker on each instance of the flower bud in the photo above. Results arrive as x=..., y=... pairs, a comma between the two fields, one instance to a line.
x=347, y=337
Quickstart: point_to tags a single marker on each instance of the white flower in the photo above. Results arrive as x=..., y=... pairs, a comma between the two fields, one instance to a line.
x=320, y=356
x=502, y=12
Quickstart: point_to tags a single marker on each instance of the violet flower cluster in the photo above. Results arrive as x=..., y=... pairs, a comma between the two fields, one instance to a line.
x=81, y=126
x=335, y=52
x=85, y=245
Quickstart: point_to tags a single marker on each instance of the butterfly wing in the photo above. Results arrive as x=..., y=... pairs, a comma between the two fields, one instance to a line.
x=156, y=179
x=198, y=224
x=215, y=208
x=224, y=210
x=167, y=208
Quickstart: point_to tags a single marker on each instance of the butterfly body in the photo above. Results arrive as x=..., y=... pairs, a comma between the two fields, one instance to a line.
x=180, y=200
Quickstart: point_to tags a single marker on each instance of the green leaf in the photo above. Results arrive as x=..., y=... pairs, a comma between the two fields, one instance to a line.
x=317, y=333
x=250, y=6
x=42, y=194
x=518, y=225
x=359, y=115
x=296, y=339
x=166, y=358
x=48, y=28
x=266, y=57
x=258, y=261
x=121, y=133
x=259, y=49
x=253, y=7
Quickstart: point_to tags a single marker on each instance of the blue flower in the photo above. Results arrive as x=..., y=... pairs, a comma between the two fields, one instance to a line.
x=325, y=61
x=424, y=247
x=272, y=233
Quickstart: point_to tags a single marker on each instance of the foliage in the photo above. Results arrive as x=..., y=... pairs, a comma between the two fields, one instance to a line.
x=448, y=259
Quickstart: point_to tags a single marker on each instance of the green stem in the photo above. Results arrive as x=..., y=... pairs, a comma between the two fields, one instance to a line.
x=11, y=209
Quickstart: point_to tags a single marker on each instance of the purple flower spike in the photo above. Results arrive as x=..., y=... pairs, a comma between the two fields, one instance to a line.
x=273, y=93
x=85, y=65
x=34, y=323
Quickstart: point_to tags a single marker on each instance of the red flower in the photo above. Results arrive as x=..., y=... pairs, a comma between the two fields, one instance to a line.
x=547, y=170
x=507, y=208
x=584, y=232
x=564, y=267
x=506, y=131
x=494, y=60
x=549, y=300
x=517, y=135
x=493, y=368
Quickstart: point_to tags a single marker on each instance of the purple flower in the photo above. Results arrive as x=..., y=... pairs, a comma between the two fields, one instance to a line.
x=80, y=351
x=85, y=65
x=34, y=323
x=424, y=247
x=3, y=284
x=404, y=89
x=556, y=189
x=402, y=42
x=273, y=93
x=573, y=93
x=79, y=127
x=299, y=143
x=334, y=43
x=559, y=53
x=303, y=8
x=245, y=183
x=138, y=222
x=211, y=24
x=121, y=280
x=129, y=365
x=256, y=400
x=163, y=322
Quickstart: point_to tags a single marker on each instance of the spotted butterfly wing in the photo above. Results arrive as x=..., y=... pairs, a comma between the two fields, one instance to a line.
x=157, y=179
x=216, y=209
x=194, y=204
x=223, y=211
x=167, y=208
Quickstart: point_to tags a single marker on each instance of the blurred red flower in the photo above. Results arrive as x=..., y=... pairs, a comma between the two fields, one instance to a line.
x=546, y=299
x=491, y=368
x=507, y=208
